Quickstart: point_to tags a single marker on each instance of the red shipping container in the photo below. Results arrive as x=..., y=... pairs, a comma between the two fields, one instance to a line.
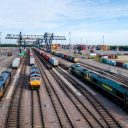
x=42, y=53
x=47, y=57
x=65, y=56
x=119, y=64
x=84, y=48
x=31, y=54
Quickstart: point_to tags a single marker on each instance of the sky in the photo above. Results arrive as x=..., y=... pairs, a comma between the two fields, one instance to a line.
x=87, y=20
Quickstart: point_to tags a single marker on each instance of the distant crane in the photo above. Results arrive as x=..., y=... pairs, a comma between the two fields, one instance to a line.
x=47, y=38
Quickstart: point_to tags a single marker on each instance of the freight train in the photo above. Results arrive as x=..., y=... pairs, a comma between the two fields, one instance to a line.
x=115, y=89
x=114, y=63
x=35, y=78
x=52, y=60
x=65, y=56
x=5, y=78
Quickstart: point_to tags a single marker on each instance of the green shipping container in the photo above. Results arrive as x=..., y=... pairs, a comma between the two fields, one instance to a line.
x=103, y=60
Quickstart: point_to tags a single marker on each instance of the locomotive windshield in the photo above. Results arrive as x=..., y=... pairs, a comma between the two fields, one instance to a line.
x=1, y=78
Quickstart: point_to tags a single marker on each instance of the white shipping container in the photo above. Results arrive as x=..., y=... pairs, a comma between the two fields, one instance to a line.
x=32, y=61
x=16, y=63
x=53, y=61
x=92, y=54
x=105, y=57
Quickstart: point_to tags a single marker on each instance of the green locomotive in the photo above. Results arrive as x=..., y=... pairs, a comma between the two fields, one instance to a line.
x=116, y=89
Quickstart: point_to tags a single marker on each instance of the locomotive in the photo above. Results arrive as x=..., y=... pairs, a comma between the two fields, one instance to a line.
x=5, y=78
x=35, y=78
x=115, y=89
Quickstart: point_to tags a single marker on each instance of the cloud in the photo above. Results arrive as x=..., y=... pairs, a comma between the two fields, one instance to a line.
x=61, y=16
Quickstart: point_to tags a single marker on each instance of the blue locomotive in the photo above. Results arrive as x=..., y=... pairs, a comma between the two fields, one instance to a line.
x=5, y=78
x=112, y=87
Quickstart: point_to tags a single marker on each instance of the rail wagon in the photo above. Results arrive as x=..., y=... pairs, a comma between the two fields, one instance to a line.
x=16, y=63
x=52, y=60
x=31, y=54
x=65, y=56
x=72, y=59
x=32, y=60
x=5, y=78
x=35, y=78
x=112, y=87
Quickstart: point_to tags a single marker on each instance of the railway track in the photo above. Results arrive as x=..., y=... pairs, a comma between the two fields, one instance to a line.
x=81, y=107
x=105, y=115
x=14, y=115
x=85, y=112
x=113, y=76
x=36, y=111
x=63, y=117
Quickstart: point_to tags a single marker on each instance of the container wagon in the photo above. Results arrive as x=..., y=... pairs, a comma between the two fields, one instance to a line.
x=65, y=56
x=52, y=60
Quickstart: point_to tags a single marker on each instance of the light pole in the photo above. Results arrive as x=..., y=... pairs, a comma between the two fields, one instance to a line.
x=103, y=39
x=69, y=41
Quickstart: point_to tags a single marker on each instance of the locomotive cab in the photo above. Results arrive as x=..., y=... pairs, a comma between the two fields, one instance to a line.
x=35, y=82
x=1, y=78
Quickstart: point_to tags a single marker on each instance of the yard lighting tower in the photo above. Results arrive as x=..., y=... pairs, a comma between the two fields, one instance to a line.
x=69, y=42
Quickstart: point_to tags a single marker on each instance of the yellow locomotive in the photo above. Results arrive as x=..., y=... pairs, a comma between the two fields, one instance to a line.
x=35, y=78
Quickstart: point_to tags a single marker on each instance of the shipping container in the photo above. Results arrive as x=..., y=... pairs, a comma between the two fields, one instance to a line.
x=65, y=56
x=47, y=57
x=113, y=62
x=16, y=63
x=75, y=59
x=92, y=54
x=53, y=61
x=31, y=54
x=104, y=57
x=61, y=55
x=119, y=64
x=32, y=61
x=125, y=65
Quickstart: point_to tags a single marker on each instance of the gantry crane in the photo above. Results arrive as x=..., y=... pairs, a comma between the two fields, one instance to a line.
x=47, y=38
